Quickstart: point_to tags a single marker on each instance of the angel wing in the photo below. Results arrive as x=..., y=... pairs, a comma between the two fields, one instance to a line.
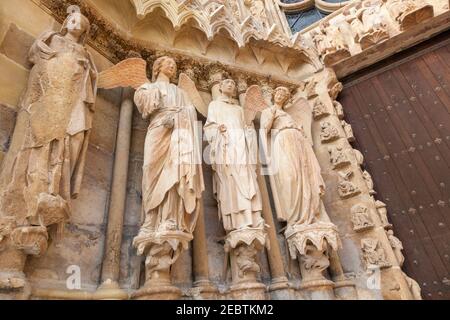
x=301, y=112
x=185, y=83
x=254, y=103
x=127, y=73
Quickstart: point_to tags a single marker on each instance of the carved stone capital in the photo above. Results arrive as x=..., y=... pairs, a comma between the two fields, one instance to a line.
x=319, y=234
x=248, y=237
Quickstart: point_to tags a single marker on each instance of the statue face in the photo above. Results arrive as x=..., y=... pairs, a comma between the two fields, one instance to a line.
x=281, y=96
x=169, y=68
x=228, y=87
x=76, y=25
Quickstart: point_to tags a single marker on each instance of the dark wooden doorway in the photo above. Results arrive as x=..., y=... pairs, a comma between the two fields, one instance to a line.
x=400, y=113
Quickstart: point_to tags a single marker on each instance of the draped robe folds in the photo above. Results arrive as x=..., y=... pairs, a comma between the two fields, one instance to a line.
x=58, y=103
x=233, y=157
x=296, y=174
x=172, y=174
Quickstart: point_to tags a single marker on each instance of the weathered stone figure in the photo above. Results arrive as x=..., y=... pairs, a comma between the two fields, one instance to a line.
x=233, y=143
x=233, y=150
x=297, y=187
x=298, y=184
x=172, y=174
x=47, y=172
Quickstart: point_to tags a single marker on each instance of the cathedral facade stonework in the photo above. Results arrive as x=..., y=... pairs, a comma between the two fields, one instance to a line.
x=193, y=150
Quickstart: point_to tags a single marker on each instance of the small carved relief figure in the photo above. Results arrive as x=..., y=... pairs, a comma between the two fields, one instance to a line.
x=373, y=253
x=49, y=167
x=328, y=132
x=320, y=110
x=309, y=87
x=334, y=87
x=359, y=157
x=338, y=157
x=397, y=246
x=330, y=44
x=413, y=287
x=382, y=213
x=360, y=218
x=408, y=13
x=258, y=12
x=368, y=23
x=346, y=188
x=369, y=182
x=348, y=131
x=338, y=109
x=246, y=260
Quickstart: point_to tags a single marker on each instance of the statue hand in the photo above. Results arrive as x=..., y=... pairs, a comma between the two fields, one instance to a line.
x=222, y=128
x=169, y=123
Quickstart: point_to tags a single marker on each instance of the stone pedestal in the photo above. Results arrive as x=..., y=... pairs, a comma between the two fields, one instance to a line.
x=160, y=289
x=243, y=246
x=345, y=290
x=319, y=289
x=161, y=249
x=206, y=290
x=110, y=290
x=280, y=289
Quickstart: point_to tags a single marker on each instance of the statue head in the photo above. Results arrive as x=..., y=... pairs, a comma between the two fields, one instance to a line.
x=164, y=65
x=77, y=25
x=281, y=96
x=228, y=87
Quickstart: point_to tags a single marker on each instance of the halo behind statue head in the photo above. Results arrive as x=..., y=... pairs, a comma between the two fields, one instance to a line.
x=75, y=13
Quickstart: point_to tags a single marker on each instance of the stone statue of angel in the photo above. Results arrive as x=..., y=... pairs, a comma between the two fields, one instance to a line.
x=172, y=183
x=296, y=182
x=296, y=175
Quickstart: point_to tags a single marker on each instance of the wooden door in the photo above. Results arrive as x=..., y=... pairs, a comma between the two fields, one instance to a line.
x=401, y=119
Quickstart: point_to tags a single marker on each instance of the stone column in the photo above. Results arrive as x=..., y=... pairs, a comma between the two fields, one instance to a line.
x=113, y=242
x=200, y=258
x=279, y=288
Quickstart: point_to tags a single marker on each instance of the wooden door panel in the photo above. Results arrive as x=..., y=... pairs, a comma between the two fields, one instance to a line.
x=401, y=119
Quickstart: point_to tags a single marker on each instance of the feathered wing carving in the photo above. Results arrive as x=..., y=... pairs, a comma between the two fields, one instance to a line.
x=254, y=103
x=127, y=73
x=301, y=112
x=185, y=83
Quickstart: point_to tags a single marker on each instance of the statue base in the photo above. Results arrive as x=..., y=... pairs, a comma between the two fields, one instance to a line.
x=345, y=290
x=205, y=290
x=319, y=289
x=157, y=291
x=248, y=291
x=280, y=289
x=110, y=290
